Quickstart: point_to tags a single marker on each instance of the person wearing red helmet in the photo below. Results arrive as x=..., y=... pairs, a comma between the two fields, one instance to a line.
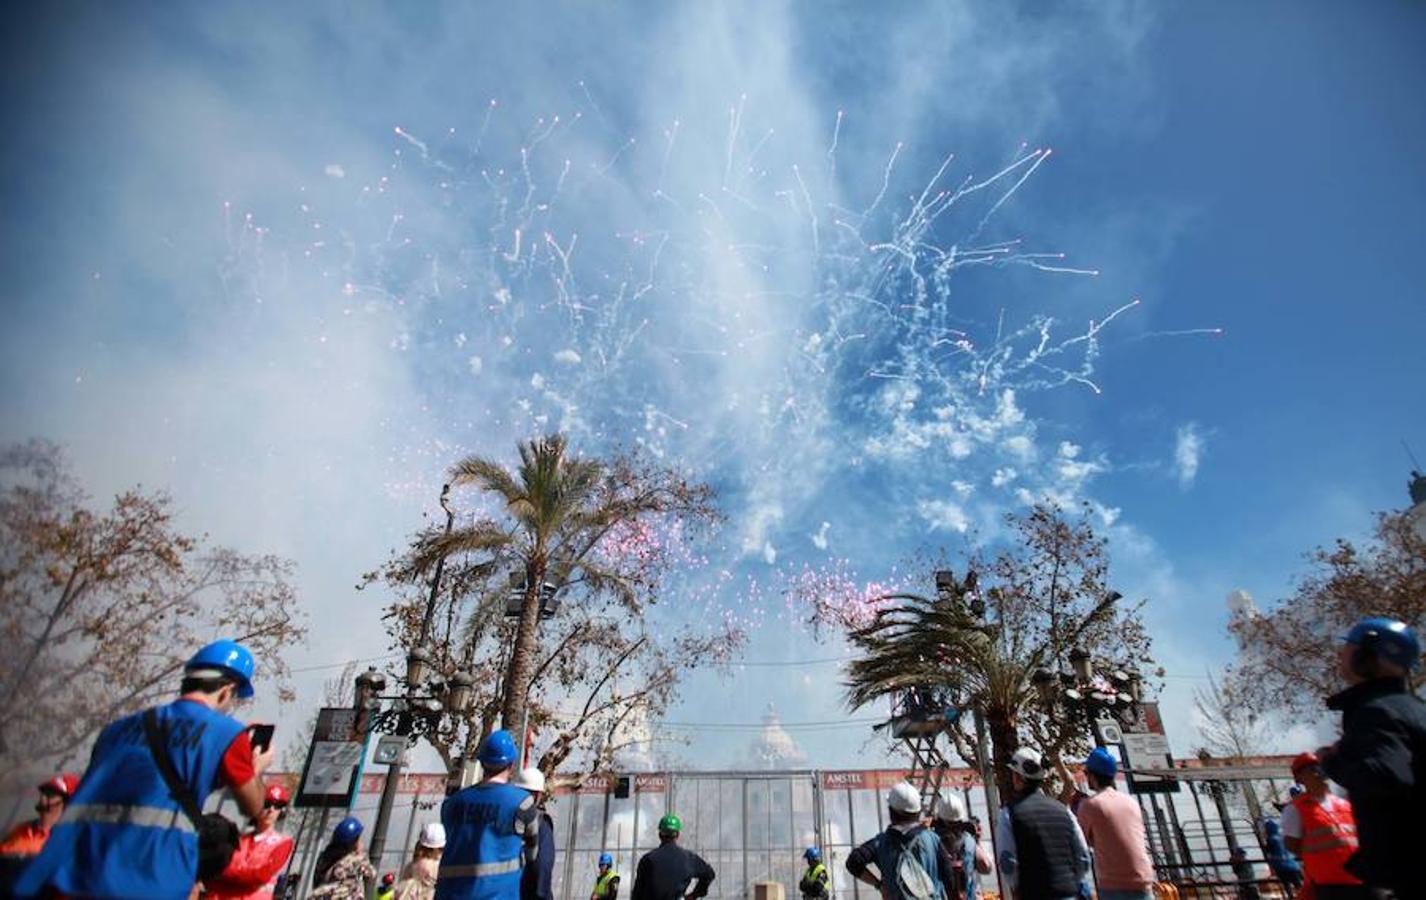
x=1319, y=827
x=25, y=840
x=261, y=856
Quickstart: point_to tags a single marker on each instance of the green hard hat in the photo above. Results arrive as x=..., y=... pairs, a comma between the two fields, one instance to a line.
x=670, y=824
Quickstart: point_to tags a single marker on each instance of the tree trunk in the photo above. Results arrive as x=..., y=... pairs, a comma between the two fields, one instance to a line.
x=1004, y=741
x=522, y=655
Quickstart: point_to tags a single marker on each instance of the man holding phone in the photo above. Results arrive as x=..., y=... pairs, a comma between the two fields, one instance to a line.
x=126, y=832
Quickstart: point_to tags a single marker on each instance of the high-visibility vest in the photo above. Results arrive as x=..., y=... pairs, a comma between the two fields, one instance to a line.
x=484, y=852
x=1329, y=838
x=122, y=833
x=603, y=883
x=814, y=880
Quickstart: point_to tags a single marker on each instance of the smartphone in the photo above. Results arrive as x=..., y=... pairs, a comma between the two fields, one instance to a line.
x=261, y=736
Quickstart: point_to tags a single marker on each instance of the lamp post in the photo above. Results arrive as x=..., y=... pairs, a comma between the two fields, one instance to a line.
x=1087, y=692
x=421, y=705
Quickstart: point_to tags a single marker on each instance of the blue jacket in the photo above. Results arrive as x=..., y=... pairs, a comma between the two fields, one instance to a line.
x=967, y=857
x=123, y=835
x=885, y=851
x=488, y=827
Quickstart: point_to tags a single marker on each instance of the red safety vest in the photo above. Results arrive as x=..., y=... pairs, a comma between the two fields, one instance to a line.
x=1329, y=838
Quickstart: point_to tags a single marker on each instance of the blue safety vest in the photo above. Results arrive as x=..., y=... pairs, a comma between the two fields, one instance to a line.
x=122, y=834
x=484, y=849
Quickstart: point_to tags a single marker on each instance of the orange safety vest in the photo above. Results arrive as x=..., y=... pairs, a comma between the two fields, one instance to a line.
x=25, y=840
x=1329, y=838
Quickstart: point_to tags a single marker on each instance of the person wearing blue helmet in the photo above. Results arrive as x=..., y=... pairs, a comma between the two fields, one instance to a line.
x=1113, y=826
x=606, y=883
x=132, y=827
x=343, y=872
x=492, y=829
x=814, y=881
x=1381, y=757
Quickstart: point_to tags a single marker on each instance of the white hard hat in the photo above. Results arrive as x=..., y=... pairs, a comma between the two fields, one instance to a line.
x=904, y=799
x=1028, y=763
x=950, y=808
x=531, y=779
x=433, y=835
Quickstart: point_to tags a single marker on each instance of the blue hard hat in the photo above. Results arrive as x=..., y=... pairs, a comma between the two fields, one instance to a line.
x=229, y=656
x=348, y=830
x=605, y=859
x=1101, y=762
x=812, y=854
x=1389, y=639
x=498, y=750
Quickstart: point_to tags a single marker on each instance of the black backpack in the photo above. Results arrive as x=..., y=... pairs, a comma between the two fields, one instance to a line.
x=217, y=835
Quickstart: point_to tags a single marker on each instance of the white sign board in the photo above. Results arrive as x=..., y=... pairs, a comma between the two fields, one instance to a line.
x=1147, y=751
x=330, y=771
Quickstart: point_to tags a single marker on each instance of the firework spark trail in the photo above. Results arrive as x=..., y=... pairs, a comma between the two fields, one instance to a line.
x=811, y=211
x=832, y=154
x=735, y=121
x=862, y=314
x=1039, y=161
x=615, y=158
x=671, y=134
x=485, y=126
x=1181, y=332
x=413, y=141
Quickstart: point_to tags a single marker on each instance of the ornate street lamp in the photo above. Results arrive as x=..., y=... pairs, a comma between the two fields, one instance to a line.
x=418, y=666
x=459, y=691
x=1044, y=682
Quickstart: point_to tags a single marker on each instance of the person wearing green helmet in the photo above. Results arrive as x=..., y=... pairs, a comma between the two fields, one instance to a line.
x=666, y=873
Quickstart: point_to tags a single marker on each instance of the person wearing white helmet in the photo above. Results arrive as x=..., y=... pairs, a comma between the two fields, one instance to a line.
x=1043, y=854
x=418, y=879
x=957, y=833
x=912, y=862
x=537, y=881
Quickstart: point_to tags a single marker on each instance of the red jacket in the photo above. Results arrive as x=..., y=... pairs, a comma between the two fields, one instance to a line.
x=252, y=873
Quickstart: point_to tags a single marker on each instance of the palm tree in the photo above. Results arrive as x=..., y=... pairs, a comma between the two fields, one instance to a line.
x=941, y=645
x=559, y=509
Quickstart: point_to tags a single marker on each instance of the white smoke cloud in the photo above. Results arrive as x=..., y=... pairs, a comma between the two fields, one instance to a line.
x=1187, y=454
x=303, y=373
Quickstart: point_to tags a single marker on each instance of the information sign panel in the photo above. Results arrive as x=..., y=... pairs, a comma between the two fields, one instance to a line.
x=329, y=777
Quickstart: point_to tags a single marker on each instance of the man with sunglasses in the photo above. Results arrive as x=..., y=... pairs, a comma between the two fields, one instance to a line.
x=1319, y=827
x=261, y=856
x=26, y=840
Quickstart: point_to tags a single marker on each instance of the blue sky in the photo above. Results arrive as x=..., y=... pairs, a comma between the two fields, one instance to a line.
x=300, y=378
